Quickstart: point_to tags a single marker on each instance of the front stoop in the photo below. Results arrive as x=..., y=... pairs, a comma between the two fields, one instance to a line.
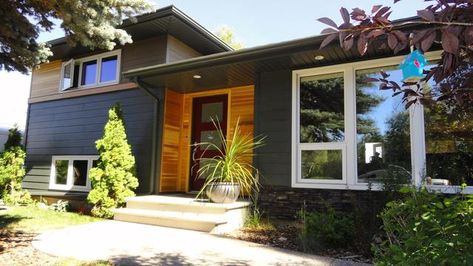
x=184, y=213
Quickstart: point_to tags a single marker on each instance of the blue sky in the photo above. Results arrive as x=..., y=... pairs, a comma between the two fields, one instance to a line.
x=255, y=22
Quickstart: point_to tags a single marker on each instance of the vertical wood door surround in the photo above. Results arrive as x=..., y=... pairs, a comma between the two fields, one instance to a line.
x=176, y=142
x=206, y=111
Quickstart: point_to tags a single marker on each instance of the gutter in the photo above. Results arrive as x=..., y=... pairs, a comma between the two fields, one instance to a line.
x=157, y=127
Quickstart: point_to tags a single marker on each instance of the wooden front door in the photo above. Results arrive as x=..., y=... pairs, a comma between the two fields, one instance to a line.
x=204, y=109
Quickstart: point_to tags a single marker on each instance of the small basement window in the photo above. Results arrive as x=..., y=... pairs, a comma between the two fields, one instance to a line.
x=71, y=172
x=89, y=72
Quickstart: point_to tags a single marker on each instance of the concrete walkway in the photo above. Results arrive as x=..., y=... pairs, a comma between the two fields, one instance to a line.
x=136, y=244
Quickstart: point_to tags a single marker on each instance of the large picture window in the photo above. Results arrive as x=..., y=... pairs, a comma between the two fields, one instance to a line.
x=99, y=70
x=382, y=129
x=71, y=172
x=320, y=128
x=349, y=134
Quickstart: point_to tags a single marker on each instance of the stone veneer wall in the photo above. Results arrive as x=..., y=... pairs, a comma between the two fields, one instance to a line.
x=284, y=202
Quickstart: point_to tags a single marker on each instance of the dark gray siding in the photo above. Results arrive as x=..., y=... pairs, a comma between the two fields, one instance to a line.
x=71, y=127
x=273, y=119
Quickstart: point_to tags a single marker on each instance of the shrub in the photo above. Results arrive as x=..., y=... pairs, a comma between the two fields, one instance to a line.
x=329, y=229
x=60, y=206
x=427, y=229
x=113, y=179
x=12, y=160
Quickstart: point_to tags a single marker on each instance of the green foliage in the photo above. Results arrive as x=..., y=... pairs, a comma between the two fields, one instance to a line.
x=12, y=171
x=113, y=179
x=234, y=162
x=60, y=206
x=227, y=35
x=327, y=229
x=14, y=138
x=254, y=218
x=427, y=229
x=92, y=23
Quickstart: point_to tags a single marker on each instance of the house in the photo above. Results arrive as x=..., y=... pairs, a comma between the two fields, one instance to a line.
x=331, y=135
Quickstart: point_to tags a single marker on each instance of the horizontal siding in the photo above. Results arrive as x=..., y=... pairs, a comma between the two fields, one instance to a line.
x=273, y=119
x=177, y=50
x=71, y=127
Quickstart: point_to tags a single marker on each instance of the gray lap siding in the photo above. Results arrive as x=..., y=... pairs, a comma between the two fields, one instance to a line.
x=71, y=127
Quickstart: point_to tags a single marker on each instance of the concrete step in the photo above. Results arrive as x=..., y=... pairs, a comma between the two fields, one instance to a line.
x=175, y=219
x=182, y=204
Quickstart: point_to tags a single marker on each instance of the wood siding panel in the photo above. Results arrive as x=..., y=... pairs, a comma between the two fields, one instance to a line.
x=169, y=178
x=176, y=177
x=177, y=50
x=71, y=127
x=45, y=79
x=144, y=53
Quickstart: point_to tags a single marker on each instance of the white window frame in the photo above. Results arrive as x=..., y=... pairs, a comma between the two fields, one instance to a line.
x=69, y=186
x=349, y=145
x=98, y=58
x=71, y=74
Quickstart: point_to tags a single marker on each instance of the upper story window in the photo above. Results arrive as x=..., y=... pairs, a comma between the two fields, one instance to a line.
x=94, y=71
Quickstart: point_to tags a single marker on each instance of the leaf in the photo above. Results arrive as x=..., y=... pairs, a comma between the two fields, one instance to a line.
x=328, y=30
x=328, y=40
x=428, y=41
x=381, y=11
x=358, y=14
x=450, y=42
x=345, y=15
x=401, y=36
x=426, y=14
x=328, y=21
x=375, y=33
x=395, y=85
x=348, y=43
x=375, y=8
x=384, y=74
x=397, y=93
x=392, y=41
x=362, y=44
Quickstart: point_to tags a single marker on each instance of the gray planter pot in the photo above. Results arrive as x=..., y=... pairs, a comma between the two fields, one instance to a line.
x=223, y=192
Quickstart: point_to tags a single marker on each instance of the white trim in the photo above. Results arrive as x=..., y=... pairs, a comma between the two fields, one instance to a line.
x=71, y=74
x=349, y=145
x=98, y=58
x=69, y=179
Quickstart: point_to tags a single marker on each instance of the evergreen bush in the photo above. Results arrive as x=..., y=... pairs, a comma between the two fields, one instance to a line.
x=12, y=171
x=113, y=179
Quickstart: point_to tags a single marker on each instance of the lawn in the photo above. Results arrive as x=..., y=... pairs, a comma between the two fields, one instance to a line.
x=36, y=220
x=18, y=227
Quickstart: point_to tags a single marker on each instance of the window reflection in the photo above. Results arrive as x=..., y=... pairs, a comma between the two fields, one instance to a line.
x=322, y=108
x=383, y=138
x=448, y=143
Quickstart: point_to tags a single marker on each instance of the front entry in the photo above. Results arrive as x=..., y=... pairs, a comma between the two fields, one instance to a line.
x=204, y=109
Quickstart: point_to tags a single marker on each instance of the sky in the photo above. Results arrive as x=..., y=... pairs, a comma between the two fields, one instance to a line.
x=254, y=22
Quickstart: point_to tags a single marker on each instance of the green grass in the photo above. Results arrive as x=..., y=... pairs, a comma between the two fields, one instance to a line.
x=35, y=220
x=74, y=262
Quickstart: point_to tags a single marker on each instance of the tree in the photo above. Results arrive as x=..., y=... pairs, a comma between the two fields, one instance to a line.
x=113, y=179
x=227, y=35
x=447, y=23
x=12, y=172
x=91, y=23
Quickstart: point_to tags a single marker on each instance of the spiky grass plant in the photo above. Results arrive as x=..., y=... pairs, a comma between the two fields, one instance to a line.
x=233, y=164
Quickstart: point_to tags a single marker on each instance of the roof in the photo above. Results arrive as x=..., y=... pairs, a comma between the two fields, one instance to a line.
x=238, y=68
x=166, y=20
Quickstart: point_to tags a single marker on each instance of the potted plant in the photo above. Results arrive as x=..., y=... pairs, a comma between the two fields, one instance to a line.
x=231, y=172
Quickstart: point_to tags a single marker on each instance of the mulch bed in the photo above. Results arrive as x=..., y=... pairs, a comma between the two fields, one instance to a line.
x=16, y=249
x=286, y=235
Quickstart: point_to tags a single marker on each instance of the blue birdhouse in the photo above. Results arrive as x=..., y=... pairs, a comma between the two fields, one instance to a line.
x=413, y=66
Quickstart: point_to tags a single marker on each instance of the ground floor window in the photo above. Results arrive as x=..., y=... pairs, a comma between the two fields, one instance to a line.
x=71, y=172
x=347, y=133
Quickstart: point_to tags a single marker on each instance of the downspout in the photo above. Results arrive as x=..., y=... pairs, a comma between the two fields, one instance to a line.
x=157, y=127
